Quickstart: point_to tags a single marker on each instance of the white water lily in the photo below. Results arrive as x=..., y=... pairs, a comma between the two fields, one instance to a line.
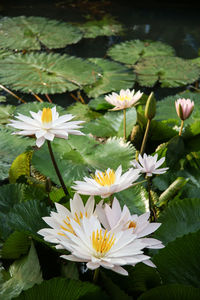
x=106, y=183
x=124, y=99
x=46, y=125
x=98, y=247
x=149, y=164
x=60, y=221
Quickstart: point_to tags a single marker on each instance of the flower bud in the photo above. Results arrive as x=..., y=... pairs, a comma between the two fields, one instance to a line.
x=184, y=108
x=150, y=108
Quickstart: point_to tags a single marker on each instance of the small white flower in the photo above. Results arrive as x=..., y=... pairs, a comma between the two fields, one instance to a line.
x=124, y=99
x=106, y=183
x=149, y=164
x=60, y=221
x=46, y=125
x=99, y=247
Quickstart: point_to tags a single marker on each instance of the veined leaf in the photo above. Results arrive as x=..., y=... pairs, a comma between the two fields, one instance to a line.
x=80, y=155
x=47, y=73
x=113, y=77
x=130, y=52
x=99, y=103
x=24, y=274
x=63, y=289
x=168, y=70
x=30, y=33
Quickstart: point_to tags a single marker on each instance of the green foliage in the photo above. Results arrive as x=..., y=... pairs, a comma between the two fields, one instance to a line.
x=99, y=103
x=111, y=124
x=130, y=52
x=107, y=26
x=82, y=112
x=10, y=147
x=171, y=291
x=5, y=113
x=168, y=70
x=30, y=33
x=16, y=244
x=62, y=289
x=180, y=218
x=46, y=73
x=80, y=155
x=179, y=261
x=24, y=273
x=113, y=77
x=20, y=166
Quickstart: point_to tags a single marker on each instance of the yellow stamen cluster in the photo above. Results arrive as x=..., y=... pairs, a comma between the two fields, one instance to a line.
x=102, y=243
x=124, y=98
x=132, y=224
x=46, y=115
x=105, y=178
x=69, y=227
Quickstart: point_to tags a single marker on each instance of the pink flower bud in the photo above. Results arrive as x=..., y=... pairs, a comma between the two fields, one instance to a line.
x=184, y=108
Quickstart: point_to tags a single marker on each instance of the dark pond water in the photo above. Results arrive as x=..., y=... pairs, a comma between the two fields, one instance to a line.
x=173, y=23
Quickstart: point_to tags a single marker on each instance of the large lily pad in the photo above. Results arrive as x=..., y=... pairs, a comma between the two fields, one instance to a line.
x=113, y=77
x=130, y=52
x=47, y=73
x=30, y=33
x=80, y=155
x=168, y=70
x=107, y=26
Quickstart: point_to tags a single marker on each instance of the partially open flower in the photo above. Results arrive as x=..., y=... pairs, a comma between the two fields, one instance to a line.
x=124, y=99
x=184, y=108
x=149, y=164
x=60, y=221
x=46, y=125
x=106, y=183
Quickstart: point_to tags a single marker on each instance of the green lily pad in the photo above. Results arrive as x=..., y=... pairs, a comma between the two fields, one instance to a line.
x=80, y=155
x=130, y=52
x=107, y=26
x=113, y=77
x=168, y=70
x=30, y=33
x=46, y=73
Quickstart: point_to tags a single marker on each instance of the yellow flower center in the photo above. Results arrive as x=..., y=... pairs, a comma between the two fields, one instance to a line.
x=102, y=243
x=124, y=98
x=105, y=178
x=46, y=115
x=132, y=225
x=67, y=224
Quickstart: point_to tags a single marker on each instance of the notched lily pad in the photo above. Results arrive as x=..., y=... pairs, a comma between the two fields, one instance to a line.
x=47, y=73
x=30, y=33
x=113, y=77
x=168, y=70
x=107, y=26
x=130, y=52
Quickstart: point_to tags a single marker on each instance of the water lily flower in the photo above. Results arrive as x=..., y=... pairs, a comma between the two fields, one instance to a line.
x=184, y=108
x=99, y=247
x=60, y=221
x=46, y=125
x=149, y=164
x=106, y=183
x=124, y=99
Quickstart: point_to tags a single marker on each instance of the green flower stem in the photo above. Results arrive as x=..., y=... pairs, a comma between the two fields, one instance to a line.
x=145, y=137
x=182, y=123
x=56, y=168
x=96, y=275
x=124, y=123
x=151, y=205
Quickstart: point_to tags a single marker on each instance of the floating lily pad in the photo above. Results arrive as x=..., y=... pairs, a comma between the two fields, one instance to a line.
x=104, y=27
x=30, y=33
x=130, y=52
x=113, y=77
x=168, y=70
x=46, y=73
